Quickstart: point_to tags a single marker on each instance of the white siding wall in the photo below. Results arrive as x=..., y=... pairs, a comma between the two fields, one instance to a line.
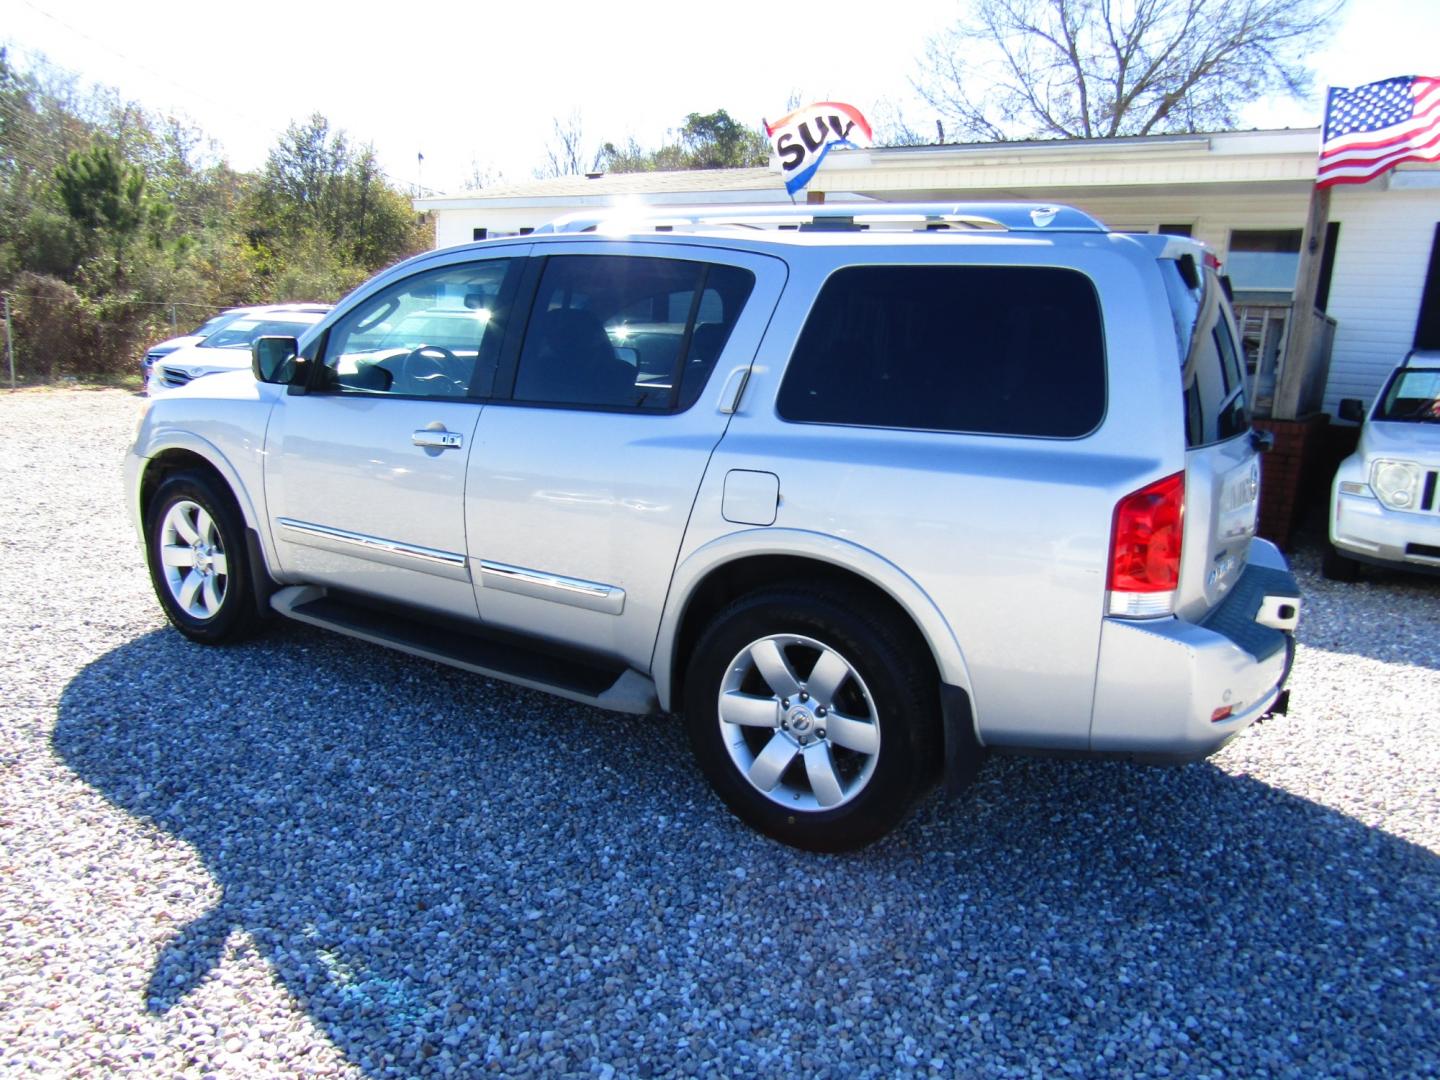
x=458, y=226
x=1380, y=265
x=1211, y=217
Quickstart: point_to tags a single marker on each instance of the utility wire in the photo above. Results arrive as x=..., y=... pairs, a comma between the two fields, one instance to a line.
x=182, y=87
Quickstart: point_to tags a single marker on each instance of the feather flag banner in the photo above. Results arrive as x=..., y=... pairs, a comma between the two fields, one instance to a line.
x=803, y=138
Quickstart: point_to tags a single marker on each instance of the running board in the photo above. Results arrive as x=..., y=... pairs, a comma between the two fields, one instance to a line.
x=606, y=686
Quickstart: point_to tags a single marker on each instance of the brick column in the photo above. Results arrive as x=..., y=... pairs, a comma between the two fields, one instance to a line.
x=1289, y=472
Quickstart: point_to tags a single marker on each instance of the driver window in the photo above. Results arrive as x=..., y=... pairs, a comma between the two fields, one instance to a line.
x=436, y=334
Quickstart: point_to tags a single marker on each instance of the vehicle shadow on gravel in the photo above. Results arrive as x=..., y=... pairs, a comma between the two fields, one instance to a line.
x=1388, y=615
x=451, y=874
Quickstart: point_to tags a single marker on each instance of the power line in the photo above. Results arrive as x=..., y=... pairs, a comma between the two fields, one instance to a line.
x=182, y=87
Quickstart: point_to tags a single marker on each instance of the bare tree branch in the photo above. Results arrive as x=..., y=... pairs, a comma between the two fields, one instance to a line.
x=1086, y=68
x=566, y=156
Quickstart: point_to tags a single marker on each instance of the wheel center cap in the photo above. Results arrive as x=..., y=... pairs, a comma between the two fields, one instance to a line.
x=800, y=719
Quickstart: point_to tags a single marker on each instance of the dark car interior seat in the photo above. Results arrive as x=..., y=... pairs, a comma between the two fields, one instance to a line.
x=568, y=359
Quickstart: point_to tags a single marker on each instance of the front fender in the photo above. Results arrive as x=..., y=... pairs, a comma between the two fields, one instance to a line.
x=162, y=440
x=903, y=589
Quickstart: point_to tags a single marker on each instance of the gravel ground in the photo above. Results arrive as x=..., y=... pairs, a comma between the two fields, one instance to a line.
x=309, y=857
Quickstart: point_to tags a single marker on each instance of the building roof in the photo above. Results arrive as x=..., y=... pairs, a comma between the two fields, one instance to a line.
x=1277, y=160
x=568, y=188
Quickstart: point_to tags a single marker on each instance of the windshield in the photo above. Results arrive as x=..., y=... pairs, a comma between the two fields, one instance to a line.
x=242, y=332
x=1413, y=395
x=210, y=325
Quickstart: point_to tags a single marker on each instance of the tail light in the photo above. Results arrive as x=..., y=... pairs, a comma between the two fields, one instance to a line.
x=1145, y=549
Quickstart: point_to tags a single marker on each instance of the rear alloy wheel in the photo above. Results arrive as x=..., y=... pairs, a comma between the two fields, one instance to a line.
x=810, y=719
x=195, y=547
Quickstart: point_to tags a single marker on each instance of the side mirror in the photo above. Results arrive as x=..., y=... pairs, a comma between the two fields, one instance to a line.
x=272, y=359
x=1352, y=409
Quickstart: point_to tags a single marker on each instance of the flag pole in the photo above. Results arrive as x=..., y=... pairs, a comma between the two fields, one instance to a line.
x=1302, y=358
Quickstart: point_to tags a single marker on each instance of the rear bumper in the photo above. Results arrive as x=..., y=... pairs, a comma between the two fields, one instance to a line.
x=1161, y=682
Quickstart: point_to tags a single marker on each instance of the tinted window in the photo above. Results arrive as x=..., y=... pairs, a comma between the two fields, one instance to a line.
x=985, y=349
x=436, y=334
x=1212, y=374
x=627, y=331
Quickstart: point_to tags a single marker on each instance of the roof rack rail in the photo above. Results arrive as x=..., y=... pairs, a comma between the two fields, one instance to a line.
x=996, y=216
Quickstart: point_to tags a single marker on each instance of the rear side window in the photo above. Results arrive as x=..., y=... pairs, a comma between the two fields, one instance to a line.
x=627, y=332
x=982, y=349
x=1213, y=374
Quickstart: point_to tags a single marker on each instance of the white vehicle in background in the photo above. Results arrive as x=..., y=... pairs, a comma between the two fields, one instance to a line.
x=227, y=348
x=1384, y=504
x=199, y=334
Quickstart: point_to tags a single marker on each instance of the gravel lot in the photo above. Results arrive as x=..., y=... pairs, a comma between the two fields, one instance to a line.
x=309, y=857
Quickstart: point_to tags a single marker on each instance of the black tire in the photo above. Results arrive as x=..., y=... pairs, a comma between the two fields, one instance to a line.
x=902, y=704
x=1337, y=567
x=234, y=617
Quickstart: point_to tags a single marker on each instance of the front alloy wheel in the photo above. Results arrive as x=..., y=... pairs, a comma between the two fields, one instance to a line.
x=192, y=552
x=195, y=544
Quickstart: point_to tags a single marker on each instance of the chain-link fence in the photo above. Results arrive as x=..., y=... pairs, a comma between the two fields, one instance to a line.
x=51, y=332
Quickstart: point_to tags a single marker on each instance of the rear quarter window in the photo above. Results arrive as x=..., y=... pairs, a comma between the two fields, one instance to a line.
x=1212, y=372
x=976, y=349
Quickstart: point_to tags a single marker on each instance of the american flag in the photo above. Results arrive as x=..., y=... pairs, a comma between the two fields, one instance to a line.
x=1374, y=127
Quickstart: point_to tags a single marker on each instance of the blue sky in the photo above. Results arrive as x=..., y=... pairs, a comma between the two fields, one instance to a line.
x=480, y=82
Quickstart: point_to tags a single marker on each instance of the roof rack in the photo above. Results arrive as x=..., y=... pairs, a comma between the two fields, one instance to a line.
x=997, y=216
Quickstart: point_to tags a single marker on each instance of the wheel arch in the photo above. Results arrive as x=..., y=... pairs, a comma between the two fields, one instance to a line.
x=723, y=570
x=196, y=454
x=164, y=461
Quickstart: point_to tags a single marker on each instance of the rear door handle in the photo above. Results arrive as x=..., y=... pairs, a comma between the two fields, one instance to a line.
x=439, y=440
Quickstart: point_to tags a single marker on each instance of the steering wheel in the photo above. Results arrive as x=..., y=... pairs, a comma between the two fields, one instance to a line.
x=427, y=364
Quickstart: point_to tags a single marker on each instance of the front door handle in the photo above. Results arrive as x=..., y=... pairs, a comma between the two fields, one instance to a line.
x=438, y=440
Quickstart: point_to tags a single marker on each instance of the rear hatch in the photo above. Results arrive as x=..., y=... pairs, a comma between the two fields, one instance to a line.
x=1222, y=465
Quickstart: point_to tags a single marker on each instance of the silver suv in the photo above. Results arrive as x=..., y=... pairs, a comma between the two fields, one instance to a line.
x=861, y=491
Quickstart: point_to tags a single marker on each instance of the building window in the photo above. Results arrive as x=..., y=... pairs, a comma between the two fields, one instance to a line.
x=1264, y=260
x=526, y=232
x=1176, y=230
x=1327, y=265
x=479, y=234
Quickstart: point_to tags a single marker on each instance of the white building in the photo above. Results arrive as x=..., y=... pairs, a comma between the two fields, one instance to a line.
x=1246, y=194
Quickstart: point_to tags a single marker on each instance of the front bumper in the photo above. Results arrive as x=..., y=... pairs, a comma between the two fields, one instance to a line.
x=1162, y=683
x=1363, y=528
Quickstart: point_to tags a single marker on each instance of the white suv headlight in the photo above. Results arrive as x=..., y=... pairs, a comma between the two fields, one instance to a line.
x=1396, y=483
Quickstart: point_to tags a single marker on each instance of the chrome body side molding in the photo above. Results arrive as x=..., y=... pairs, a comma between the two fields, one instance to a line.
x=395, y=552
x=590, y=595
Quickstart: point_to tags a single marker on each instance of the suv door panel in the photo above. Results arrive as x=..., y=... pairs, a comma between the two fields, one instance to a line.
x=356, y=504
x=366, y=489
x=578, y=513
